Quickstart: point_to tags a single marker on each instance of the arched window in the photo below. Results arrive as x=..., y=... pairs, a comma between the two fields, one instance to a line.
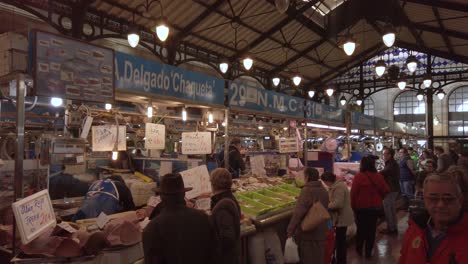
x=408, y=110
x=368, y=105
x=458, y=112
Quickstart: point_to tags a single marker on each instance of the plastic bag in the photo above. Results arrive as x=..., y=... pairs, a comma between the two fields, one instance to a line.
x=291, y=253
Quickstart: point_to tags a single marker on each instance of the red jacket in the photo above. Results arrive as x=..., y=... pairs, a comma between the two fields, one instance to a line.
x=451, y=250
x=364, y=194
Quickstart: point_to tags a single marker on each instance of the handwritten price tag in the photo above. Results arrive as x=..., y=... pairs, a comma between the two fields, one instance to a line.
x=104, y=138
x=34, y=215
x=196, y=143
x=155, y=136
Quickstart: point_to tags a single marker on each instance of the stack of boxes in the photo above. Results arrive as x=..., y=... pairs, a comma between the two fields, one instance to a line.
x=13, y=53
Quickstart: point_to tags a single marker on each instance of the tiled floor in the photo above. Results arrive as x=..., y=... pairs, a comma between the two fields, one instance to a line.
x=387, y=249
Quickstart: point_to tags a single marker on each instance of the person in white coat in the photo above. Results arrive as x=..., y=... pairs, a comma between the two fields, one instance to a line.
x=340, y=211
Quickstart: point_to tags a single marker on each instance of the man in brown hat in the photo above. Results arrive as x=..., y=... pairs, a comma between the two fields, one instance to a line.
x=179, y=234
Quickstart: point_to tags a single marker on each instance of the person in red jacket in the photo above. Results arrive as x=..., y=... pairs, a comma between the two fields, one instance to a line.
x=367, y=192
x=440, y=235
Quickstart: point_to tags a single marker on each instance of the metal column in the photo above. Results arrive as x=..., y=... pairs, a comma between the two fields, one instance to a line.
x=226, y=139
x=430, y=108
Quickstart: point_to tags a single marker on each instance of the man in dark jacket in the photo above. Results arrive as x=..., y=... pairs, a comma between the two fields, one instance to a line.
x=444, y=160
x=391, y=173
x=312, y=242
x=407, y=176
x=236, y=163
x=178, y=235
x=225, y=216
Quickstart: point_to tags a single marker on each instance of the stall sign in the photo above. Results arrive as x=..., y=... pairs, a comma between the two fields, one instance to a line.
x=288, y=145
x=34, y=215
x=155, y=135
x=247, y=97
x=137, y=74
x=257, y=165
x=324, y=113
x=399, y=127
x=196, y=143
x=199, y=179
x=359, y=120
x=67, y=68
x=104, y=138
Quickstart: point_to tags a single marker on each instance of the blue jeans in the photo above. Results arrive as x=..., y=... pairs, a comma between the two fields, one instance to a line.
x=390, y=210
x=407, y=189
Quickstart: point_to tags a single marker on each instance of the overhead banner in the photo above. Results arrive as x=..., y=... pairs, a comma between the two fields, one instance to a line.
x=137, y=74
x=72, y=69
x=383, y=124
x=247, y=97
x=362, y=121
x=324, y=113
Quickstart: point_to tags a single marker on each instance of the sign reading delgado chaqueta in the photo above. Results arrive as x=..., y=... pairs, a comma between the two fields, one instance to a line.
x=137, y=74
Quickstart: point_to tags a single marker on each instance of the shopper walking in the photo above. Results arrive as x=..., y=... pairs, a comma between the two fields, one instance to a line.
x=391, y=174
x=407, y=177
x=444, y=160
x=178, y=235
x=225, y=216
x=441, y=235
x=367, y=192
x=311, y=243
x=341, y=212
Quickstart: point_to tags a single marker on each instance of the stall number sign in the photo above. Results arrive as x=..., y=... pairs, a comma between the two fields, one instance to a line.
x=104, y=138
x=196, y=143
x=199, y=179
x=34, y=215
x=155, y=136
x=288, y=145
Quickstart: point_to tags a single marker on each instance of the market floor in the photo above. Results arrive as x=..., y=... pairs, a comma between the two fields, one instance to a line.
x=387, y=249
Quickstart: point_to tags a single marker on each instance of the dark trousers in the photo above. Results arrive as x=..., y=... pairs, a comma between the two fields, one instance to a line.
x=366, y=223
x=340, y=244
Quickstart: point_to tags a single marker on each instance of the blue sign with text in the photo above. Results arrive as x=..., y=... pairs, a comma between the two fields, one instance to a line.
x=137, y=74
x=324, y=113
x=243, y=96
x=362, y=121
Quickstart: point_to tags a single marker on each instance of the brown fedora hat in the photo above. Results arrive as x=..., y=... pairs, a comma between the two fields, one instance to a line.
x=171, y=183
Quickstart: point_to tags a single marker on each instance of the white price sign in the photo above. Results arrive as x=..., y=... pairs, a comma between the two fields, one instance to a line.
x=196, y=143
x=199, y=179
x=155, y=136
x=104, y=138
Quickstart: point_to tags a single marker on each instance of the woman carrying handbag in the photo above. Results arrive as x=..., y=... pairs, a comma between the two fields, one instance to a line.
x=310, y=232
x=367, y=192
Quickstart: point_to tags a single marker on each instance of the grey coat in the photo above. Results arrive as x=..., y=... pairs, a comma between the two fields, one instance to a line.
x=340, y=204
x=312, y=191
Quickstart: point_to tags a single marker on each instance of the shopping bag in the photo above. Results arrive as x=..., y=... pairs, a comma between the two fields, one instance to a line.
x=316, y=215
x=291, y=253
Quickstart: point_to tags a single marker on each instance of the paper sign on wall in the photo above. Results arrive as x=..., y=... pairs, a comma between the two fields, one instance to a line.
x=257, y=164
x=155, y=136
x=196, y=142
x=34, y=215
x=104, y=138
x=199, y=179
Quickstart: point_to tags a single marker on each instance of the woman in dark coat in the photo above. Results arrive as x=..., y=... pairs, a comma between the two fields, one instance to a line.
x=225, y=216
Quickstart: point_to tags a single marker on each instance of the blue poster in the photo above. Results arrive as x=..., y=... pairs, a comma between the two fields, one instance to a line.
x=141, y=75
x=324, y=113
x=243, y=96
x=72, y=69
x=362, y=121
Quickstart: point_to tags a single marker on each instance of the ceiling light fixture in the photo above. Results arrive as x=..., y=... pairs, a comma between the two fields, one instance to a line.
x=311, y=93
x=247, y=62
x=388, y=36
x=149, y=111
x=223, y=66
x=56, y=102
x=330, y=91
x=441, y=95
x=108, y=107
x=210, y=118
x=343, y=100
x=349, y=45
x=184, y=114
x=427, y=80
x=411, y=63
x=380, y=67
x=420, y=96
x=359, y=101
x=402, y=83
x=297, y=79
x=162, y=30
x=133, y=37
x=276, y=81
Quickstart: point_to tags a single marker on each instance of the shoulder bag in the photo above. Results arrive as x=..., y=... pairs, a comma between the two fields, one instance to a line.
x=316, y=215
